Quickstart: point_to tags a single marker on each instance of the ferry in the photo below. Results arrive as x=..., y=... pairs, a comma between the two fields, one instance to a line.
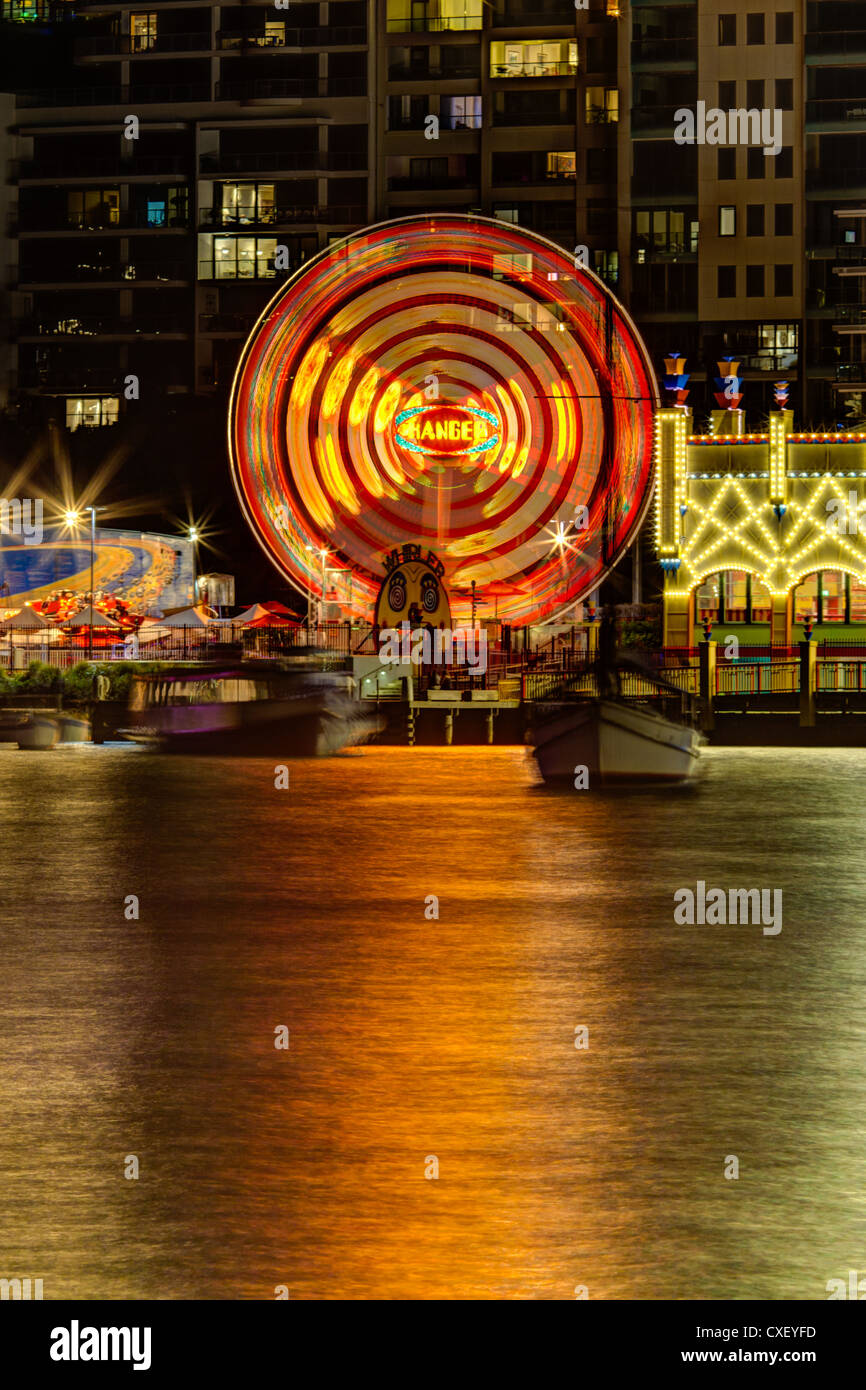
x=249, y=707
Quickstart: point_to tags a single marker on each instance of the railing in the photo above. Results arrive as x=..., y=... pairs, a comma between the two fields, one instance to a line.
x=99, y=222
x=835, y=109
x=225, y=323
x=317, y=37
x=287, y=217
x=434, y=24
x=122, y=45
x=330, y=161
x=841, y=675
x=291, y=88
x=655, y=117
x=672, y=50
x=849, y=313
x=405, y=72
x=758, y=678
x=500, y=71
x=156, y=271
x=113, y=95
x=103, y=166
x=91, y=326
x=842, y=41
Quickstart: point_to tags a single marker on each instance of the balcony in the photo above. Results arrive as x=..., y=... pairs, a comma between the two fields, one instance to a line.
x=532, y=70
x=103, y=325
x=421, y=185
x=451, y=72
x=235, y=325
x=169, y=93
x=656, y=118
x=129, y=45
x=103, y=166
x=349, y=36
x=435, y=24
x=119, y=276
x=291, y=88
x=285, y=161
x=836, y=111
x=669, y=53
x=537, y=13
x=833, y=177
x=334, y=215
x=80, y=380
x=849, y=318
x=828, y=46
x=38, y=223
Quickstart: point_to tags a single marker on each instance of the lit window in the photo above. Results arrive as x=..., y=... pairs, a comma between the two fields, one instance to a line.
x=727, y=221
x=156, y=214
x=806, y=600
x=89, y=412
x=602, y=105
x=555, y=58
x=236, y=257
x=246, y=203
x=142, y=32
x=735, y=596
x=460, y=113
x=707, y=600
x=436, y=17
x=93, y=208
x=562, y=164
x=275, y=33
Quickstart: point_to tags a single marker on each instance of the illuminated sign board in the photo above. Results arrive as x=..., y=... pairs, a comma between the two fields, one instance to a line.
x=446, y=430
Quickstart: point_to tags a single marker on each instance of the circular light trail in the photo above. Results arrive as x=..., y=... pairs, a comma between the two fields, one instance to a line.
x=453, y=381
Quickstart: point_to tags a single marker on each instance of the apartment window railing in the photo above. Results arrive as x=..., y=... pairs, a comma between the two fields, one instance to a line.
x=288, y=88
x=294, y=38
x=333, y=161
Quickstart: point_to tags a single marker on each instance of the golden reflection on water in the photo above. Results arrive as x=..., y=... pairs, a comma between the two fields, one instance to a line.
x=413, y=1038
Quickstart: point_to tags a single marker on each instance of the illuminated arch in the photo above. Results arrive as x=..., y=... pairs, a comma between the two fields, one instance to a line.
x=500, y=322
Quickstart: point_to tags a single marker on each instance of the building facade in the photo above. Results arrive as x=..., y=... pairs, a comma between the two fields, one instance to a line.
x=201, y=152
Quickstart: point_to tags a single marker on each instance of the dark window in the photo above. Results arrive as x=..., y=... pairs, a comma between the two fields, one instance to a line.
x=785, y=93
x=754, y=220
x=727, y=30
x=783, y=164
x=754, y=281
x=598, y=163
x=727, y=281
x=784, y=219
x=727, y=95
x=755, y=93
x=784, y=280
x=754, y=28
x=727, y=164
x=785, y=27
x=755, y=162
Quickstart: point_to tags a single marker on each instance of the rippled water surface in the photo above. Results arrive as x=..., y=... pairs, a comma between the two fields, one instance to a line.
x=412, y=1037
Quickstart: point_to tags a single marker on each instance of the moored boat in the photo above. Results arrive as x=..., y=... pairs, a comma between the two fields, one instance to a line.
x=618, y=743
x=248, y=708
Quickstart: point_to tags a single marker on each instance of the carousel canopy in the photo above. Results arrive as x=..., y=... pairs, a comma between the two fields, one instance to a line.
x=91, y=617
x=25, y=617
x=186, y=617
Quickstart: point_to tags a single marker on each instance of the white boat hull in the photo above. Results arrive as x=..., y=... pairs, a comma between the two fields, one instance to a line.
x=617, y=743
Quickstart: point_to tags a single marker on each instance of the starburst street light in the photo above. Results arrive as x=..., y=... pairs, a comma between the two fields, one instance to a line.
x=73, y=520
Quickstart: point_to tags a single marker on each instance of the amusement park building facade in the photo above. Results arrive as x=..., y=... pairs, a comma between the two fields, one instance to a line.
x=761, y=537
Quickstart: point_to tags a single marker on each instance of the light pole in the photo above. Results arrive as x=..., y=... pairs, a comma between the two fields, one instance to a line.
x=72, y=519
x=192, y=535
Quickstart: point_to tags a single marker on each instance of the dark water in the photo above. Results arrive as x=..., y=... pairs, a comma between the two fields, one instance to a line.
x=413, y=1037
